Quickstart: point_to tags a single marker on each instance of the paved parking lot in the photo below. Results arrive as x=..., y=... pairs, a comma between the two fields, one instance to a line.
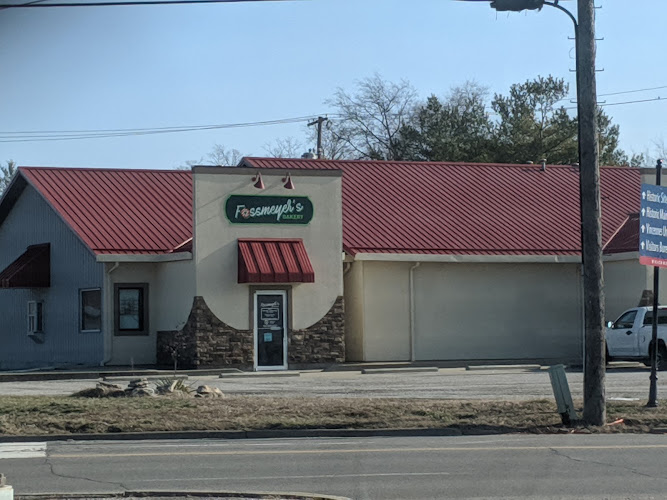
x=630, y=383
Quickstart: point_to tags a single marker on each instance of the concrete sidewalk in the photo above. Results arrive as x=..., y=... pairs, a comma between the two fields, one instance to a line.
x=93, y=373
x=504, y=383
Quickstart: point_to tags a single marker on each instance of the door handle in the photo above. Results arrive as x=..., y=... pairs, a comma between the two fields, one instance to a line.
x=629, y=332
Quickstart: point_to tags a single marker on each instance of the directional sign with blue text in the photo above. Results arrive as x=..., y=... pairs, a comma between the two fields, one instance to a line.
x=653, y=226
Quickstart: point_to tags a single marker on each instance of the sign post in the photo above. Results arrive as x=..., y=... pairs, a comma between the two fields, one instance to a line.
x=653, y=251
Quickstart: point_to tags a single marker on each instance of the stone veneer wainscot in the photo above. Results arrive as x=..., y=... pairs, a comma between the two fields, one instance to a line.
x=207, y=342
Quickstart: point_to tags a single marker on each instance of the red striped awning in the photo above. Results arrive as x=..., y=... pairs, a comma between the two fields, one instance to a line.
x=274, y=260
x=31, y=270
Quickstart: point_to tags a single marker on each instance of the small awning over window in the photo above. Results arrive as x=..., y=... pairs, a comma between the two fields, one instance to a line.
x=274, y=261
x=31, y=270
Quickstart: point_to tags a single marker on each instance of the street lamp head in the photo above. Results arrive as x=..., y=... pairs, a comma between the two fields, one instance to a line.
x=516, y=5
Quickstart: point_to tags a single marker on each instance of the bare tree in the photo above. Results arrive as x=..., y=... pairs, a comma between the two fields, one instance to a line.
x=6, y=174
x=219, y=155
x=287, y=147
x=660, y=148
x=370, y=119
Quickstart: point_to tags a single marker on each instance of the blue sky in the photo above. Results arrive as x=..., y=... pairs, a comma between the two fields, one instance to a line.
x=162, y=66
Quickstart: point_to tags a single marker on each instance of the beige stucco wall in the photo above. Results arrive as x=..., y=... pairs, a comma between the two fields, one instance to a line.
x=139, y=349
x=386, y=311
x=624, y=282
x=173, y=294
x=171, y=287
x=498, y=311
x=216, y=242
x=472, y=311
x=354, y=312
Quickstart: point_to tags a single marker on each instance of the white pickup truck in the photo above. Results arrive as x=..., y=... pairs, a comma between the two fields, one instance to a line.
x=629, y=337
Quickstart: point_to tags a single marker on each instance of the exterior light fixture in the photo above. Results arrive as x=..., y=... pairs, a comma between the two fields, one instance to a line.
x=517, y=5
x=258, y=182
x=287, y=180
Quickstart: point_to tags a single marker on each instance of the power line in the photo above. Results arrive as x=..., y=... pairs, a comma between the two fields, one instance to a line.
x=39, y=3
x=604, y=105
x=25, y=4
x=64, y=135
x=172, y=128
x=631, y=102
x=633, y=91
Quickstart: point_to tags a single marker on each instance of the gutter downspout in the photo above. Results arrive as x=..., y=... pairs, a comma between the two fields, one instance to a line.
x=108, y=299
x=412, y=310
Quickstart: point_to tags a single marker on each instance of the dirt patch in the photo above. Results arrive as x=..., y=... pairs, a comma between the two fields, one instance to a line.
x=40, y=415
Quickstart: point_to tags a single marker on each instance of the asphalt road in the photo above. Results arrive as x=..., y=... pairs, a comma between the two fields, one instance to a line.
x=445, y=384
x=520, y=467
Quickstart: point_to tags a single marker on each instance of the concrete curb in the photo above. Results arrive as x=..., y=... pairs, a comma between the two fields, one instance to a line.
x=259, y=374
x=149, y=378
x=425, y=369
x=183, y=493
x=258, y=434
x=502, y=367
x=95, y=375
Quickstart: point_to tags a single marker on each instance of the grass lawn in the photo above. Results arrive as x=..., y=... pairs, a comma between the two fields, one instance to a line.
x=39, y=415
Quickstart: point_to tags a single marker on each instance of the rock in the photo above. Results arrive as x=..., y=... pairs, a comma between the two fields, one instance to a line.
x=205, y=391
x=105, y=389
x=142, y=391
x=138, y=382
x=109, y=386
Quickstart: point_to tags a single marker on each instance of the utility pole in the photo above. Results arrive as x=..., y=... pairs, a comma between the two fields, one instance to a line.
x=589, y=185
x=320, y=120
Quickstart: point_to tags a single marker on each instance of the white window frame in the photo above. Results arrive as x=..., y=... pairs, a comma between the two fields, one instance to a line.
x=33, y=317
x=81, y=291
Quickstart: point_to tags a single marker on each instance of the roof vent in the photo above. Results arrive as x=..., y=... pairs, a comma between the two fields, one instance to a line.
x=544, y=165
x=530, y=162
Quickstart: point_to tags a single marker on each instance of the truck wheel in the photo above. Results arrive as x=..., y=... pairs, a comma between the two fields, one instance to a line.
x=662, y=357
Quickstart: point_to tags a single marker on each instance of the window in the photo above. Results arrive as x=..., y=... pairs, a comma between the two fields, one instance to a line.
x=131, y=308
x=662, y=317
x=627, y=320
x=35, y=317
x=90, y=304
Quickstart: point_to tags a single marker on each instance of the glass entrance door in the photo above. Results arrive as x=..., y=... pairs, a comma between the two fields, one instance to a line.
x=270, y=330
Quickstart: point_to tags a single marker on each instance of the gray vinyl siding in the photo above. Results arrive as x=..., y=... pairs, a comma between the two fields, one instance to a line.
x=73, y=267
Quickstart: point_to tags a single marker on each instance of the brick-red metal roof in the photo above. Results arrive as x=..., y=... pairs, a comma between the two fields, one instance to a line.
x=388, y=207
x=626, y=239
x=466, y=209
x=274, y=261
x=32, y=269
x=117, y=211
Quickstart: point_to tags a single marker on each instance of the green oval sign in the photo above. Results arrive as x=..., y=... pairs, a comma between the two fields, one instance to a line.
x=249, y=209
